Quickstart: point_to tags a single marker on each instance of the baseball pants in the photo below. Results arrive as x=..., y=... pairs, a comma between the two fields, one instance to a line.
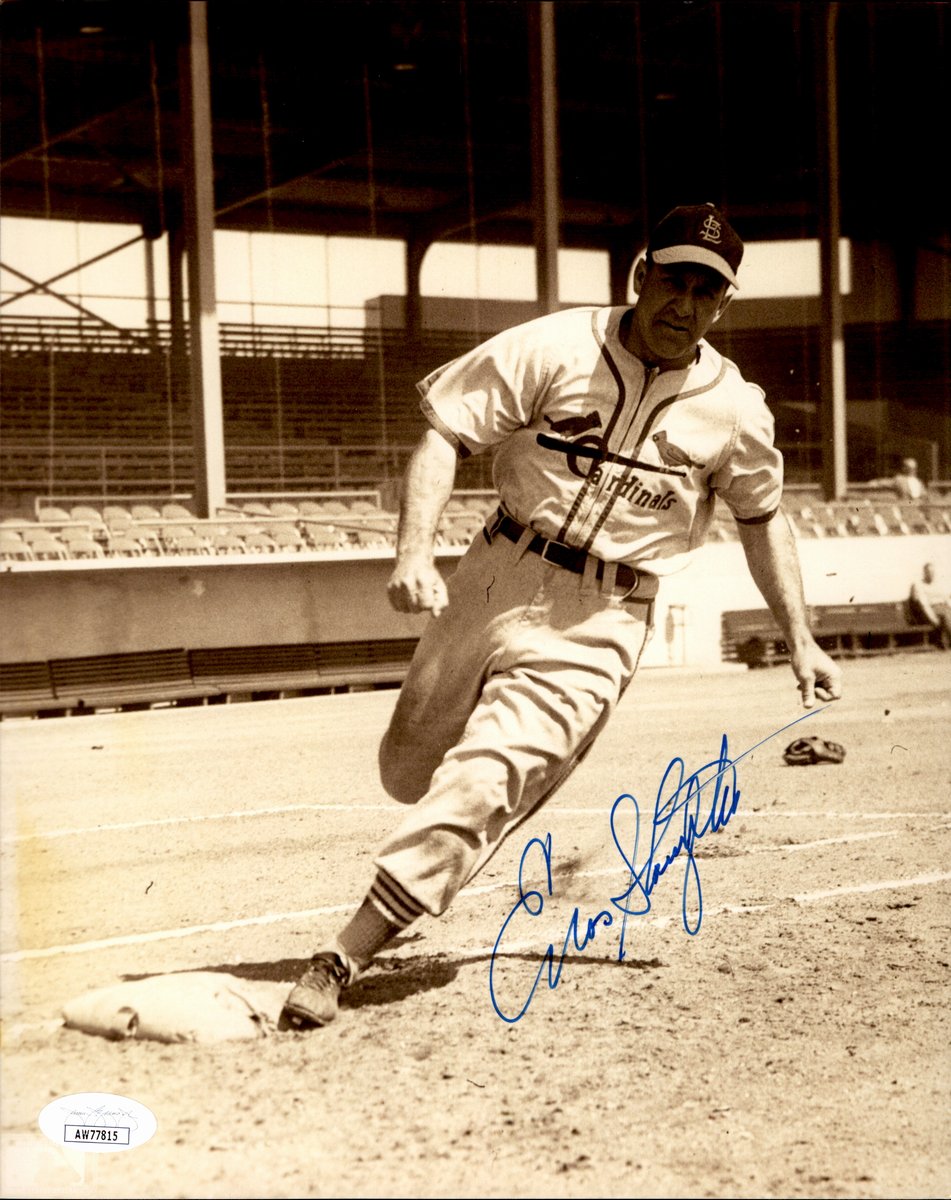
x=507, y=690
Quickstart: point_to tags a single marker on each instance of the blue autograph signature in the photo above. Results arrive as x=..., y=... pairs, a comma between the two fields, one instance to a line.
x=687, y=808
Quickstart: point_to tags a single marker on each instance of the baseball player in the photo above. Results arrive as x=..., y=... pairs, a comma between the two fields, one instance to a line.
x=614, y=430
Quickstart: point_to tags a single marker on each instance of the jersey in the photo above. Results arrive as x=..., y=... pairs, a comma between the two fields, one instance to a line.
x=595, y=449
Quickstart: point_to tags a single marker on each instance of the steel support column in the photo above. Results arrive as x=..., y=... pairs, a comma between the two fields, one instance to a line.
x=416, y=248
x=151, y=318
x=545, y=183
x=199, y=206
x=832, y=421
x=178, y=348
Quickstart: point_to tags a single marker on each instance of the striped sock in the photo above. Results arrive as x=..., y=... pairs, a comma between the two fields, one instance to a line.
x=386, y=911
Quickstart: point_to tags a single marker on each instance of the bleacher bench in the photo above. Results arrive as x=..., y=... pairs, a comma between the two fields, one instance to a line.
x=155, y=676
x=752, y=636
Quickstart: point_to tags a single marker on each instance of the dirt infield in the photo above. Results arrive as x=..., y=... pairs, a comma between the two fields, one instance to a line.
x=797, y=1045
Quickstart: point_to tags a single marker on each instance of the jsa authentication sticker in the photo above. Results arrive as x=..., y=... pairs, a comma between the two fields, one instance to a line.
x=98, y=1122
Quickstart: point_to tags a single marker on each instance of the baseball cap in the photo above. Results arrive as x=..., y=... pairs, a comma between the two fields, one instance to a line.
x=701, y=234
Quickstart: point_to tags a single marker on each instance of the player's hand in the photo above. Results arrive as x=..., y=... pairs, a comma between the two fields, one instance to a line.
x=416, y=586
x=819, y=676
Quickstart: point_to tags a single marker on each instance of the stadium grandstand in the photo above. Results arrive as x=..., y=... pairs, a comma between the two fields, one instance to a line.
x=195, y=509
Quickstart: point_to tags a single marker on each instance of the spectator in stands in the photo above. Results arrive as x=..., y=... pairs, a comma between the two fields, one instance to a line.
x=931, y=603
x=906, y=481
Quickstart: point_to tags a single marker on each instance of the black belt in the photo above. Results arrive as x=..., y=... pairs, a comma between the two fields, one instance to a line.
x=570, y=558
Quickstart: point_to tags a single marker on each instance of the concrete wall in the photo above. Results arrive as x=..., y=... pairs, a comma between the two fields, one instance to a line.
x=196, y=603
x=835, y=571
x=77, y=610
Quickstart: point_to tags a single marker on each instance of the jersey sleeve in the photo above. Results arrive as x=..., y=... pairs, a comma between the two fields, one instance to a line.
x=750, y=480
x=477, y=400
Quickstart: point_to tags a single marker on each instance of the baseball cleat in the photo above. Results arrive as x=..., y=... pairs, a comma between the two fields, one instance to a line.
x=314, y=999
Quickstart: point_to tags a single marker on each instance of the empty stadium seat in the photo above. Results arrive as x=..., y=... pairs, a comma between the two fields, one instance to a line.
x=74, y=533
x=914, y=518
x=893, y=516
x=52, y=515
x=85, y=512
x=212, y=529
x=287, y=539
x=833, y=521
x=325, y=537
x=84, y=547
x=861, y=515
x=172, y=535
x=228, y=543
x=255, y=508
x=284, y=508
x=259, y=543
x=371, y=538
x=880, y=525
x=124, y=546
x=145, y=512
x=13, y=547
x=48, y=548
x=35, y=533
x=191, y=544
x=177, y=512
x=808, y=524
x=286, y=528
x=147, y=535
x=942, y=521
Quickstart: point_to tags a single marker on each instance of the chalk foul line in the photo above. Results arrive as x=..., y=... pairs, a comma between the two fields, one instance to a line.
x=158, y=935
x=281, y=809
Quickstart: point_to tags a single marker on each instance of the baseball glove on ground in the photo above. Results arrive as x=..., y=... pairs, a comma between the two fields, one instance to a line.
x=804, y=752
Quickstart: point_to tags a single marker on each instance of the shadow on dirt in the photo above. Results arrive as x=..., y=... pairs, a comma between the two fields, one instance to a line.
x=391, y=980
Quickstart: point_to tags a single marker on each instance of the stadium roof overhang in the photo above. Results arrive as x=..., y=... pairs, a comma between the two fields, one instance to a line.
x=413, y=119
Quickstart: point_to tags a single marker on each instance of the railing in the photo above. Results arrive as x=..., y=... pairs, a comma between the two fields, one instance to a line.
x=32, y=335
x=27, y=465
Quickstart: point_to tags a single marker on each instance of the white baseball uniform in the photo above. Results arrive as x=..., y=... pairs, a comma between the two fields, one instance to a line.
x=619, y=465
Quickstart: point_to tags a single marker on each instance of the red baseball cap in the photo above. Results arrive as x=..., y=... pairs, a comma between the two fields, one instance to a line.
x=699, y=234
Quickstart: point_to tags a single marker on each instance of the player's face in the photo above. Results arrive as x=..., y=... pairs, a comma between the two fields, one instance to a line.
x=676, y=305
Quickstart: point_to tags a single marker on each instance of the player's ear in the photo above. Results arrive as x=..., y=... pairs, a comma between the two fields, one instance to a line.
x=640, y=273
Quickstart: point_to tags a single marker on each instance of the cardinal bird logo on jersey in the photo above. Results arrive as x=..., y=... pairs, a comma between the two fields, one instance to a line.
x=575, y=426
x=672, y=455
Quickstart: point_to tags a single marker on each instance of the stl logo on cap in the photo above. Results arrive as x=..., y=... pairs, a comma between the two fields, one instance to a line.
x=700, y=234
x=711, y=230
